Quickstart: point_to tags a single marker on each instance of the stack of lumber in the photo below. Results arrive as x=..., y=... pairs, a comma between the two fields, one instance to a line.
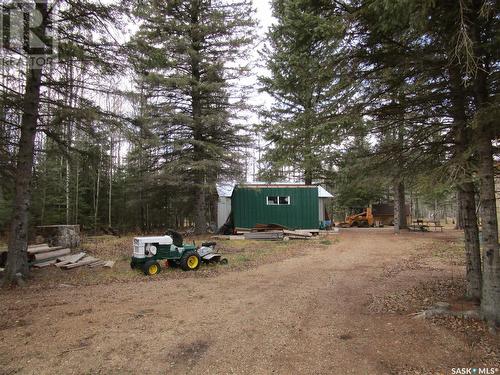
x=43, y=255
x=82, y=259
x=297, y=234
x=228, y=237
x=268, y=232
x=267, y=236
x=268, y=227
x=275, y=232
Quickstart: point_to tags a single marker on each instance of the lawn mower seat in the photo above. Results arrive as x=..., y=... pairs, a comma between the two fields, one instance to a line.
x=176, y=237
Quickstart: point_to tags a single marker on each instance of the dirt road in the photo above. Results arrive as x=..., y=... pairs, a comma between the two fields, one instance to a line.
x=305, y=315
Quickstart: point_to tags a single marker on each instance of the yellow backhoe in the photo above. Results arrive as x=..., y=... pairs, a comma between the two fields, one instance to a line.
x=363, y=219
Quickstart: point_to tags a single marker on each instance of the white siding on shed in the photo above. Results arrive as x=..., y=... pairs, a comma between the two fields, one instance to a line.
x=223, y=210
x=322, y=205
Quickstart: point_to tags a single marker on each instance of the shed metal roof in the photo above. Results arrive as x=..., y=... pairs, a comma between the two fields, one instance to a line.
x=226, y=190
x=322, y=193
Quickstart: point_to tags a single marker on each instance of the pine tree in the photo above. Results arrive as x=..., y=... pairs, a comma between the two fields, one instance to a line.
x=44, y=107
x=306, y=85
x=189, y=53
x=452, y=48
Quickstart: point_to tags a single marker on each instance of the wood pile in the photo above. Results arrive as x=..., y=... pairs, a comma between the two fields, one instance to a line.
x=297, y=234
x=269, y=232
x=43, y=256
x=267, y=236
x=276, y=232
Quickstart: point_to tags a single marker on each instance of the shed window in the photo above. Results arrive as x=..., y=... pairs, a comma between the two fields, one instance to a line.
x=274, y=200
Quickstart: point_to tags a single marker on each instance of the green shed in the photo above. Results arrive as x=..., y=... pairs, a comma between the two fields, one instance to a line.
x=292, y=205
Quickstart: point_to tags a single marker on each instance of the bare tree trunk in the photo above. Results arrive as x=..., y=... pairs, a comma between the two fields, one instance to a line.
x=308, y=176
x=200, y=217
x=77, y=189
x=69, y=137
x=490, y=302
x=459, y=220
x=110, y=181
x=466, y=193
x=472, y=250
x=97, y=188
x=490, y=298
x=17, y=259
x=399, y=206
x=196, y=108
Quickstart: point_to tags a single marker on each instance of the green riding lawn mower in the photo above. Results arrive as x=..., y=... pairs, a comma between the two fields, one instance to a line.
x=170, y=250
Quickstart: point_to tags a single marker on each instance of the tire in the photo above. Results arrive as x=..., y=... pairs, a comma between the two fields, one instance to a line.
x=132, y=265
x=151, y=267
x=190, y=261
x=223, y=261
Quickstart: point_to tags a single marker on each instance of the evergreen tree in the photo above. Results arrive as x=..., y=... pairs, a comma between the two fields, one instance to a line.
x=40, y=103
x=189, y=53
x=306, y=85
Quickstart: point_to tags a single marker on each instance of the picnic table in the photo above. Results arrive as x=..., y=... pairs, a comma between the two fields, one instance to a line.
x=425, y=226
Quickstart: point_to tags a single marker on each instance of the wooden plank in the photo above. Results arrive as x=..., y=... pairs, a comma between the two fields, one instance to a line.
x=82, y=262
x=313, y=231
x=109, y=264
x=52, y=254
x=236, y=237
x=269, y=235
x=45, y=249
x=38, y=245
x=99, y=263
x=297, y=233
x=44, y=264
x=220, y=237
x=242, y=230
x=71, y=258
x=60, y=264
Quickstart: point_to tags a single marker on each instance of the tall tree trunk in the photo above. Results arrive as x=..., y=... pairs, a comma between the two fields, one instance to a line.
x=200, y=217
x=308, y=179
x=77, y=188
x=459, y=220
x=399, y=206
x=97, y=190
x=196, y=108
x=472, y=250
x=110, y=186
x=465, y=187
x=69, y=137
x=17, y=259
x=490, y=300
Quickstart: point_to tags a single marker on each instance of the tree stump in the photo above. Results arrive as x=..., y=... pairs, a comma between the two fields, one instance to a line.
x=60, y=235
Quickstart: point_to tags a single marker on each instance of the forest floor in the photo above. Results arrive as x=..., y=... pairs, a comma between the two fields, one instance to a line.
x=340, y=304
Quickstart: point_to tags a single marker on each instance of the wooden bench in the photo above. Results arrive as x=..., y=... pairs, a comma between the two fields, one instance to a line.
x=436, y=225
x=418, y=227
x=425, y=226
